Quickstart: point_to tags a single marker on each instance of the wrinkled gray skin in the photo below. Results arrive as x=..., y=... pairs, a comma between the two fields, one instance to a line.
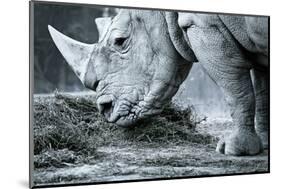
x=142, y=57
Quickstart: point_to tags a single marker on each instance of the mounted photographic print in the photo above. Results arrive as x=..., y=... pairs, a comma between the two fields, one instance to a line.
x=122, y=94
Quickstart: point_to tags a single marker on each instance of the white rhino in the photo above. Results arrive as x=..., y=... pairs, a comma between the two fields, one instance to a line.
x=142, y=57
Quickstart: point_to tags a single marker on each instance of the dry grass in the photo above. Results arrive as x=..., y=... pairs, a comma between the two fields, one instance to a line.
x=65, y=122
x=74, y=144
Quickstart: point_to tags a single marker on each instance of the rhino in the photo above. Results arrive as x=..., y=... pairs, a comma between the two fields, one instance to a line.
x=143, y=56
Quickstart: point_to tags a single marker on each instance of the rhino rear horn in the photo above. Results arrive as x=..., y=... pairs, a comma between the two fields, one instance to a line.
x=102, y=24
x=77, y=54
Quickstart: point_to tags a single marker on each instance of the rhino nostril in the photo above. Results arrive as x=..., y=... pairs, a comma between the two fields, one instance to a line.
x=105, y=108
x=106, y=105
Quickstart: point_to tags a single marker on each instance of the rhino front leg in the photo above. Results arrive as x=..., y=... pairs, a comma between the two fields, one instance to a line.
x=260, y=80
x=223, y=58
x=240, y=96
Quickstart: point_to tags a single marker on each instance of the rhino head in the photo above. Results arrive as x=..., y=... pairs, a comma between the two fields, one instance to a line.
x=137, y=65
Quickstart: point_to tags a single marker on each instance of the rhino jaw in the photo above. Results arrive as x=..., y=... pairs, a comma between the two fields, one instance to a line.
x=77, y=54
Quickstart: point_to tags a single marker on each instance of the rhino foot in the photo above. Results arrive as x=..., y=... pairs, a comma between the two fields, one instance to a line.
x=240, y=143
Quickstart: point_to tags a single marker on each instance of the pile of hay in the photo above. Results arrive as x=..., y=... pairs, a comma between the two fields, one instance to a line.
x=67, y=129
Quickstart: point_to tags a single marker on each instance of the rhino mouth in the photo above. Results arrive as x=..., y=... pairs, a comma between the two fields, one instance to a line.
x=119, y=111
x=127, y=109
x=122, y=112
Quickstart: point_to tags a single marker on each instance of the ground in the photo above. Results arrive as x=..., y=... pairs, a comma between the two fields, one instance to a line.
x=74, y=144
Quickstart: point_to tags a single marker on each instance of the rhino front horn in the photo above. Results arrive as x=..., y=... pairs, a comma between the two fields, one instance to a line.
x=77, y=54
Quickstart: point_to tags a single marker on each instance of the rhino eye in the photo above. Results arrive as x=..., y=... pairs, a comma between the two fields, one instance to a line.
x=120, y=41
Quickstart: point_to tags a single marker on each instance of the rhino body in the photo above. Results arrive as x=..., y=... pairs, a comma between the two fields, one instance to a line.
x=142, y=58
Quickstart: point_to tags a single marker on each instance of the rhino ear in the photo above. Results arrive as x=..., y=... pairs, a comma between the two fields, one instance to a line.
x=177, y=37
x=102, y=25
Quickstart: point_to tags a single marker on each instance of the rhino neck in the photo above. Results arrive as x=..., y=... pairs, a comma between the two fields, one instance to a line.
x=180, y=43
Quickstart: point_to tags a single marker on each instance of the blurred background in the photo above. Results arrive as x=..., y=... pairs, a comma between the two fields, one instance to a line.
x=51, y=71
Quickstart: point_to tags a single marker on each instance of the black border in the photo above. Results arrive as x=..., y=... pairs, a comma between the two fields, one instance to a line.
x=31, y=73
x=31, y=40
